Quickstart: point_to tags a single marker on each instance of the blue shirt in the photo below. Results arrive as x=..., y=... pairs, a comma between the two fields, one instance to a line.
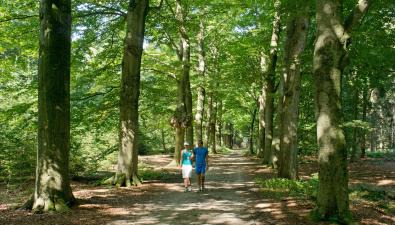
x=200, y=156
x=185, y=158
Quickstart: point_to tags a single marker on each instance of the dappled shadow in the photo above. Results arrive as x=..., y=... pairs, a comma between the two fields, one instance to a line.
x=232, y=197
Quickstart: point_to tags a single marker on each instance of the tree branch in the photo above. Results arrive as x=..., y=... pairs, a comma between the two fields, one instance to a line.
x=157, y=8
x=356, y=15
x=94, y=95
x=18, y=17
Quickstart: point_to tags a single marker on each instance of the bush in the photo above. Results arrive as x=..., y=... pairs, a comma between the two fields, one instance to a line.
x=281, y=187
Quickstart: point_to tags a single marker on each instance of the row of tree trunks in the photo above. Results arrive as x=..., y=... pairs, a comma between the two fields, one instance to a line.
x=296, y=36
x=269, y=69
x=127, y=168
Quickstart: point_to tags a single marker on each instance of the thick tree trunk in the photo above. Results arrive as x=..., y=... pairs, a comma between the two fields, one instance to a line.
x=330, y=58
x=201, y=92
x=269, y=80
x=130, y=91
x=52, y=186
x=297, y=29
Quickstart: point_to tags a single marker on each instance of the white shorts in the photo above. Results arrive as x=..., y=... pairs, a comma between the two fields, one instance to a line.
x=186, y=171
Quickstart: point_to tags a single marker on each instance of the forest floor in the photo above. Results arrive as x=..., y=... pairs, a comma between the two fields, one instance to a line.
x=232, y=197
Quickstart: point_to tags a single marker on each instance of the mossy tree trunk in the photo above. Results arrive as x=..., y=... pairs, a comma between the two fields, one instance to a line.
x=330, y=58
x=296, y=36
x=127, y=167
x=52, y=186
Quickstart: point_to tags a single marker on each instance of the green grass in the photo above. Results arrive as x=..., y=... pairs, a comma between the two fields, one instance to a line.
x=377, y=197
x=281, y=187
x=386, y=154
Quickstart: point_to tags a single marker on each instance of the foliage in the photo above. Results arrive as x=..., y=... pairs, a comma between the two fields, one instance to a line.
x=379, y=198
x=281, y=187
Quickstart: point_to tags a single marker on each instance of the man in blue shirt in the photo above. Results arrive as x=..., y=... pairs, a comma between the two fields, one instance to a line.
x=200, y=154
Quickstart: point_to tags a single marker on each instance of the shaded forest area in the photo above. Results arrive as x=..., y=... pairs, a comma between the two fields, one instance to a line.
x=86, y=87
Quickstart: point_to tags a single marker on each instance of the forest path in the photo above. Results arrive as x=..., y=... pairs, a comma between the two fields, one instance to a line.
x=229, y=199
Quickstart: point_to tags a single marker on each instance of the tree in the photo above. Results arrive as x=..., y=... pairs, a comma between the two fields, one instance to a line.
x=129, y=96
x=269, y=68
x=52, y=186
x=201, y=91
x=330, y=59
x=296, y=35
x=182, y=118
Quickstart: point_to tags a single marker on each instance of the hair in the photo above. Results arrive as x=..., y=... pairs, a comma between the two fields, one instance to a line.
x=200, y=142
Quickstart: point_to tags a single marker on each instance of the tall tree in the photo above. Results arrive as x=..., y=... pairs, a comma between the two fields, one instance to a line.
x=330, y=59
x=130, y=92
x=52, y=187
x=201, y=91
x=182, y=118
x=296, y=35
x=269, y=68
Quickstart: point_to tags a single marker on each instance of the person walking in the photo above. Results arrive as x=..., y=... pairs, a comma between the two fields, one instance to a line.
x=200, y=155
x=186, y=166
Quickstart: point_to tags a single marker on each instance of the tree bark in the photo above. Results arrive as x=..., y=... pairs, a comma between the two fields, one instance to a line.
x=269, y=80
x=127, y=167
x=297, y=29
x=330, y=58
x=201, y=91
x=52, y=186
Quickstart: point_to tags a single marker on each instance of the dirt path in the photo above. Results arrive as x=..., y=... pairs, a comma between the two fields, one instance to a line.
x=229, y=198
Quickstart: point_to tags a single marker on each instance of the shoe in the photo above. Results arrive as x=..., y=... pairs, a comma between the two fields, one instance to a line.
x=186, y=190
x=189, y=188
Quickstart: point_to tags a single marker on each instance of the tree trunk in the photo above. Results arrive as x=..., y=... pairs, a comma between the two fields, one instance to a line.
x=52, y=186
x=201, y=92
x=228, y=135
x=209, y=118
x=269, y=80
x=330, y=58
x=262, y=97
x=185, y=59
x=130, y=91
x=182, y=117
x=213, y=121
x=297, y=29
x=219, y=123
x=355, y=144
x=364, y=113
x=251, y=140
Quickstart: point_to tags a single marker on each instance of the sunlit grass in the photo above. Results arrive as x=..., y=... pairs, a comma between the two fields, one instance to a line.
x=281, y=187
